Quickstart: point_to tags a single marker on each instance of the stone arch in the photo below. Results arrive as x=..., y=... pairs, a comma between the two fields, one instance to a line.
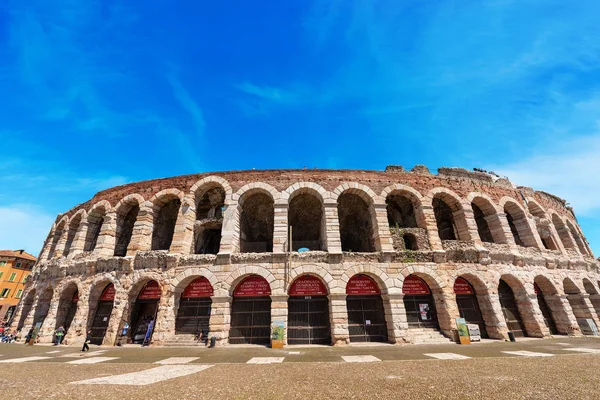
x=127, y=211
x=95, y=220
x=65, y=292
x=486, y=218
x=75, y=225
x=517, y=285
x=210, y=181
x=386, y=283
x=570, y=287
x=234, y=278
x=518, y=222
x=536, y=209
x=314, y=270
x=306, y=214
x=45, y=295
x=58, y=232
x=179, y=283
x=577, y=237
x=562, y=230
x=254, y=187
x=543, y=225
x=546, y=284
x=589, y=287
x=209, y=198
x=412, y=195
x=96, y=287
x=431, y=277
x=357, y=217
x=166, y=206
x=27, y=307
x=255, y=216
x=304, y=187
x=131, y=199
x=449, y=214
x=479, y=284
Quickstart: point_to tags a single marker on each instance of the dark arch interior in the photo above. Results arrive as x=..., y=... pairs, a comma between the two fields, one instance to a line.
x=257, y=220
x=513, y=227
x=482, y=225
x=73, y=228
x=95, y=222
x=306, y=219
x=400, y=212
x=125, y=224
x=164, y=225
x=356, y=229
x=444, y=219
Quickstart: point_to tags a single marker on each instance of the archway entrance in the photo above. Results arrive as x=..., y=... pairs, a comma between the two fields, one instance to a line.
x=144, y=313
x=102, y=316
x=468, y=306
x=71, y=311
x=511, y=313
x=366, y=317
x=308, y=312
x=42, y=307
x=251, y=312
x=419, y=304
x=548, y=319
x=27, y=305
x=194, y=309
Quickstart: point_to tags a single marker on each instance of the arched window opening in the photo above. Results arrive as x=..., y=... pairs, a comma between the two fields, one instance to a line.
x=545, y=309
x=257, y=220
x=577, y=237
x=513, y=228
x=208, y=238
x=356, y=227
x=42, y=307
x=482, y=225
x=95, y=222
x=510, y=310
x=468, y=305
x=101, y=306
x=444, y=219
x=125, y=224
x=543, y=226
x=26, y=309
x=208, y=227
x=164, y=225
x=308, y=312
x=305, y=216
x=580, y=307
x=410, y=241
x=563, y=232
x=210, y=204
x=58, y=232
x=73, y=228
x=400, y=212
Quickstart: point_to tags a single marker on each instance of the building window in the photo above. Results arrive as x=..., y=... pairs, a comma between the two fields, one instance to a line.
x=18, y=265
x=2, y=263
x=25, y=278
x=5, y=292
x=12, y=277
x=1, y=274
x=18, y=295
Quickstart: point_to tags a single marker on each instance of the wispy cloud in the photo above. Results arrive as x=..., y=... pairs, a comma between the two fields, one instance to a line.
x=25, y=226
x=188, y=103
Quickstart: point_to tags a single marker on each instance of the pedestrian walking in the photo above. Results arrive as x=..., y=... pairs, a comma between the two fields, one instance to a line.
x=88, y=338
x=28, y=336
x=60, y=334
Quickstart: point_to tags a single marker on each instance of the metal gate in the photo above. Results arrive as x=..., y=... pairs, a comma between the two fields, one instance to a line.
x=308, y=320
x=366, y=319
x=100, y=322
x=547, y=314
x=144, y=315
x=468, y=308
x=420, y=311
x=193, y=316
x=70, y=315
x=250, y=320
x=510, y=310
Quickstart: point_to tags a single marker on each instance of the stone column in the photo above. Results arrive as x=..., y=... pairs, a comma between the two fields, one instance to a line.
x=230, y=239
x=500, y=229
x=381, y=230
x=220, y=318
x=77, y=331
x=183, y=235
x=62, y=243
x=447, y=310
x=531, y=315
x=279, y=311
x=491, y=311
x=395, y=317
x=339, y=319
x=431, y=227
x=280, y=228
x=105, y=246
x=79, y=239
x=118, y=317
x=164, y=325
x=465, y=224
x=595, y=301
x=530, y=225
x=592, y=312
x=141, y=238
x=332, y=226
x=46, y=332
x=562, y=313
x=556, y=238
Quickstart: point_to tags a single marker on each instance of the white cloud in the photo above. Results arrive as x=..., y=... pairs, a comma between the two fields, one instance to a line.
x=23, y=226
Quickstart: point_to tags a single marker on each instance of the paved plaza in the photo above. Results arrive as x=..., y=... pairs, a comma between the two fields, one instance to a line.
x=535, y=368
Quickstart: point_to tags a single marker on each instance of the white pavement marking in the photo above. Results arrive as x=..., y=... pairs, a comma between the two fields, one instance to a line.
x=294, y=352
x=52, y=352
x=563, y=344
x=265, y=360
x=24, y=359
x=146, y=377
x=525, y=353
x=92, y=360
x=351, y=359
x=176, y=360
x=447, y=356
x=583, y=350
x=85, y=354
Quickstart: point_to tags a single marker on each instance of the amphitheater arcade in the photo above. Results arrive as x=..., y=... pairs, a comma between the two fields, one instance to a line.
x=392, y=256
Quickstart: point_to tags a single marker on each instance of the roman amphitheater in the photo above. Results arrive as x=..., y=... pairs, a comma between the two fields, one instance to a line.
x=333, y=256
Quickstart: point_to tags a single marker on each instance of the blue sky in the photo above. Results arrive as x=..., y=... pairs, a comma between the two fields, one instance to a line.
x=99, y=93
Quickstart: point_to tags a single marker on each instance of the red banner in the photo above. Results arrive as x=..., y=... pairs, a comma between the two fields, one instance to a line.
x=536, y=288
x=75, y=297
x=362, y=284
x=461, y=286
x=151, y=291
x=109, y=293
x=307, y=285
x=253, y=286
x=199, y=287
x=415, y=285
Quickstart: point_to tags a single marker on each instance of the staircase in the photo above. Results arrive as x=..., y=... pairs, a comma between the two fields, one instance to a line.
x=427, y=336
x=183, y=341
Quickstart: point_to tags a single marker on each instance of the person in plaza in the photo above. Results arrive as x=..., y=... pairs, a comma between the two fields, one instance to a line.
x=88, y=338
x=29, y=335
x=60, y=334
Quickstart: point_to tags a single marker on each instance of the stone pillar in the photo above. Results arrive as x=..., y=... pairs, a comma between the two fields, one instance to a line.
x=381, y=230
x=79, y=239
x=395, y=317
x=339, y=319
x=332, y=226
x=280, y=228
x=220, y=318
x=556, y=238
x=531, y=315
x=120, y=314
x=465, y=224
x=491, y=311
x=501, y=230
x=183, y=235
x=62, y=243
x=591, y=310
x=46, y=332
x=230, y=239
x=141, y=238
x=595, y=301
x=77, y=331
x=431, y=227
x=279, y=311
x=447, y=310
x=562, y=313
x=530, y=225
x=46, y=248
x=105, y=246
x=164, y=325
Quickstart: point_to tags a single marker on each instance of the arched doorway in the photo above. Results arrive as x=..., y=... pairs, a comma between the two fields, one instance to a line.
x=42, y=307
x=580, y=308
x=251, y=312
x=102, y=315
x=71, y=311
x=419, y=304
x=193, y=315
x=366, y=316
x=468, y=306
x=548, y=319
x=26, y=309
x=144, y=313
x=308, y=312
x=511, y=313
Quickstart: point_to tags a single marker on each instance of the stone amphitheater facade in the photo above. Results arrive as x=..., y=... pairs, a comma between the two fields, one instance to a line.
x=387, y=227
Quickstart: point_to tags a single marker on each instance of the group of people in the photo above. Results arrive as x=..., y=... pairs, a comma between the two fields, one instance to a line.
x=7, y=336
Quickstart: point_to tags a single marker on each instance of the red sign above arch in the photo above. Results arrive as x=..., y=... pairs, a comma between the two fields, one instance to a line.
x=109, y=293
x=151, y=291
x=75, y=298
x=307, y=285
x=415, y=285
x=253, y=286
x=199, y=287
x=462, y=286
x=362, y=284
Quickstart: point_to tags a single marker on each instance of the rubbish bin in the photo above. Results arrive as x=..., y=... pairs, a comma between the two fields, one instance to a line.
x=511, y=336
x=213, y=341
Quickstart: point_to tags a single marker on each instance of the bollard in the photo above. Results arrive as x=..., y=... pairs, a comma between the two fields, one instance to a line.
x=511, y=336
x=213, y=342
